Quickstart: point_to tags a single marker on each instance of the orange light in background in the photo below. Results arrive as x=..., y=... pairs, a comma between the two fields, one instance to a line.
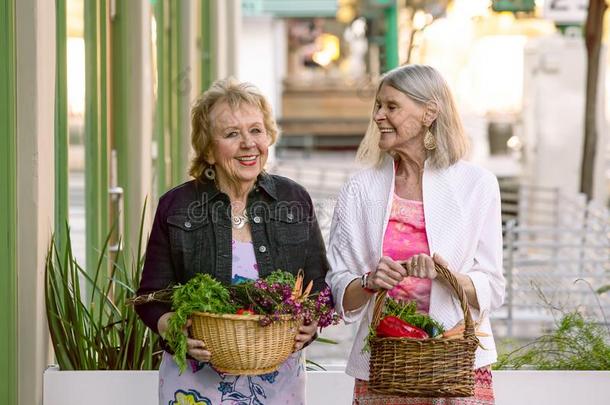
x=346, y=12
x=329, y=49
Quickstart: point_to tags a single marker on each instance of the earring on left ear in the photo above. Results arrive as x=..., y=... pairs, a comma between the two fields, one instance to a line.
x=429, y=140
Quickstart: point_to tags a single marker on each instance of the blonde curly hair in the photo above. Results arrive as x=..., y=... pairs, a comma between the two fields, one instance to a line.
x=235, y=93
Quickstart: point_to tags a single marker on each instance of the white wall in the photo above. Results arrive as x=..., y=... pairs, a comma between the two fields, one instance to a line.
x=257, y=53
x=553, y=114
x=226, y=18
x=328, y=387
x=262, y=56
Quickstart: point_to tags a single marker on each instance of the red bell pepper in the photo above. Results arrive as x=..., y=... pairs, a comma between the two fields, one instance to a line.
x=392, y=326
x=244, y=311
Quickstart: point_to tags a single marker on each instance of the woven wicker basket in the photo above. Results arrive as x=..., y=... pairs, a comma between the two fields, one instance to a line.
x=239, y=345
x=424, y=368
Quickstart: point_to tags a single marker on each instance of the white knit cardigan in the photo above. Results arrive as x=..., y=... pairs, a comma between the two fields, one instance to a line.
x=463, y=225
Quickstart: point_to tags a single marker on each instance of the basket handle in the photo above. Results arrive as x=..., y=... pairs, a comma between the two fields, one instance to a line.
x=443, y=272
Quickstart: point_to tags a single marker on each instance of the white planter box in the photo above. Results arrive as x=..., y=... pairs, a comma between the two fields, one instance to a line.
x=327, y=387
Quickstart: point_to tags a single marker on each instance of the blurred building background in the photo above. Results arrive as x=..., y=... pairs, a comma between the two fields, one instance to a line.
x=95, y=98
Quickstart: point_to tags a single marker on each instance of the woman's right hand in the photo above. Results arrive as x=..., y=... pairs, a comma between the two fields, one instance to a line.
x=386, y=275
x=195, y=348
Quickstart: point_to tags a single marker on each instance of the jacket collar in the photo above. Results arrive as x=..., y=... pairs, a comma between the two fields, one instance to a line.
x=266, y=182
x=208, y=187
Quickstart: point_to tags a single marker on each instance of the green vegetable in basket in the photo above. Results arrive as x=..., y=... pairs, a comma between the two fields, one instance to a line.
x=202, y=293
x=407, y=311
x=281, y=277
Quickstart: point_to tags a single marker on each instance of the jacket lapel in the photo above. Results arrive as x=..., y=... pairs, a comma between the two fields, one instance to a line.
x=443, y=216
x=444, y=230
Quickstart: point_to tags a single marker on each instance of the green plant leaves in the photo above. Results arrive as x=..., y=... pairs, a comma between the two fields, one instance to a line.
x=91, y=325
x=603, y=289
x=575, y=344
x=202, y=293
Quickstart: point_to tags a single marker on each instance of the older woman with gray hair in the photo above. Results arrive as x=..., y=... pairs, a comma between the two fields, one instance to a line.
x=416, y=205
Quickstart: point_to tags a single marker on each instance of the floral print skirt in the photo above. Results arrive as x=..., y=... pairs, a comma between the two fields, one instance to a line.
x=483, y=394
x=200, y=384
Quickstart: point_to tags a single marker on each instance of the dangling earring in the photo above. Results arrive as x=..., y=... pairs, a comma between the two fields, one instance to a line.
x=429, y=141
x=210, y=173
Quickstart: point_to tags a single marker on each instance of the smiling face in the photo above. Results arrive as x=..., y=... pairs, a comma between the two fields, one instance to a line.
x=399, y=119
x=239, y=145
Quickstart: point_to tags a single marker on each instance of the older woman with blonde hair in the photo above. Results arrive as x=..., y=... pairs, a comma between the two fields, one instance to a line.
x=416, y=205
x=235, y=222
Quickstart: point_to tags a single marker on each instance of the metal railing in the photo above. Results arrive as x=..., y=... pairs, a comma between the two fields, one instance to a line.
x=556, y=255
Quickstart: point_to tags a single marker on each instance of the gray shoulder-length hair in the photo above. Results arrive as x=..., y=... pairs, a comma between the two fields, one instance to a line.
x=423, y=84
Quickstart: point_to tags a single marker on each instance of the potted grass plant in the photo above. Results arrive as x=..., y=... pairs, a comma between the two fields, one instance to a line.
x=97, y=338
x=90, y=323
x=569, y=364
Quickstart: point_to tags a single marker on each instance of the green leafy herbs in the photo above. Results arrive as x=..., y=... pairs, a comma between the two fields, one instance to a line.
x=278, y=294
x=407, y=311
x=202, y=293
x=575, y=344
x=281, y=277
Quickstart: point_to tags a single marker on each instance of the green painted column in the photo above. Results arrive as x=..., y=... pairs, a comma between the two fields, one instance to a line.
x=61, y=121
x=391, y=36
x=120, y=93
x=96, y=140
x=131, y=114
x=167, y=108
x=176, y=127
x=161, y=105
x=206, y=43
x=172, y=109
x=8, y=226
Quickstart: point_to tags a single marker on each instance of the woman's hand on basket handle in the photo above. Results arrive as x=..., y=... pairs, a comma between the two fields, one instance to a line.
x=387, y=274
x=195, y=348
x=422, y=266
x=305, y=335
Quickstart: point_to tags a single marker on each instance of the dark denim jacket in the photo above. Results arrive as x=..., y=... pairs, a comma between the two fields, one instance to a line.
x=192, y=233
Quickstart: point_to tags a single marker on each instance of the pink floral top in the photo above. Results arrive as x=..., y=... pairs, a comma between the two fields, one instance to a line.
x=405, y=236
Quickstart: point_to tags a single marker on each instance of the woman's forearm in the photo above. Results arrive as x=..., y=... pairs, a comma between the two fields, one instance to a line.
x=468, y=286
x=355, y=296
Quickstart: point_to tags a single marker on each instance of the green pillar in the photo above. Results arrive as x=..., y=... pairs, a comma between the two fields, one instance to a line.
x=391, y=36
x=131, y=114
x=121, y=113
x=206, y=44
x=61, y=121
x=161, y=105
x=96, y=139
x=8, y=196
x=173, y=85
x=176, y=77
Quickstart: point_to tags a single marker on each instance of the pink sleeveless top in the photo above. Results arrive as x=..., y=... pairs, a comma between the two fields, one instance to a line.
x=405, y=236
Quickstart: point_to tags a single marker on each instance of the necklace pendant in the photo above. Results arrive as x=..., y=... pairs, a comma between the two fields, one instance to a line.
x=239, y=221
